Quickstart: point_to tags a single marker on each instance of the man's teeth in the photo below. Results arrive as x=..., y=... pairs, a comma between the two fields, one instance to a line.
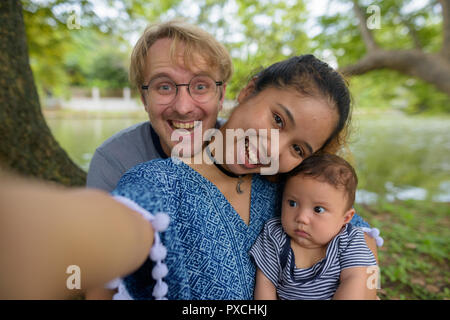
x=183, y=125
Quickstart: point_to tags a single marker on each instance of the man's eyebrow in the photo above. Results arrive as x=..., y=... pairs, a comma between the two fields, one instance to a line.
x=291, y=117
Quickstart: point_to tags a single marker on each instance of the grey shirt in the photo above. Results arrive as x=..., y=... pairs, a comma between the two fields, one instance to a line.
x=124, y=150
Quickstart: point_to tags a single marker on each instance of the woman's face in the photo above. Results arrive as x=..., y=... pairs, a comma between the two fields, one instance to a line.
x=303, y=122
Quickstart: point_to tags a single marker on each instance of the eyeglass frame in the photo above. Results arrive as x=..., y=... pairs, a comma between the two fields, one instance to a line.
x=146, y=87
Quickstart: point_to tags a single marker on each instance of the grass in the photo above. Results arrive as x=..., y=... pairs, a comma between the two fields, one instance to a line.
x=414, y=259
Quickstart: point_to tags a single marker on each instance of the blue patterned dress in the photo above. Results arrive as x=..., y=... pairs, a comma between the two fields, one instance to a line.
x=207, y=241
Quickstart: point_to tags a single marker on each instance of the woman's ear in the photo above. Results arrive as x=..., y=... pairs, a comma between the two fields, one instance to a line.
x=349, y=215
x=247, y=91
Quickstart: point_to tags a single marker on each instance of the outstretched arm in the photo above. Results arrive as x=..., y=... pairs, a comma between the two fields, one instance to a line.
x=44, y=229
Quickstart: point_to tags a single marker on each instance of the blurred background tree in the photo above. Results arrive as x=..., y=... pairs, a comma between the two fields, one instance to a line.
x=402, y=63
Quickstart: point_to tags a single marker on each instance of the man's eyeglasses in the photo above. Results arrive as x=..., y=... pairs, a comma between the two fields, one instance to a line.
x=163, y=90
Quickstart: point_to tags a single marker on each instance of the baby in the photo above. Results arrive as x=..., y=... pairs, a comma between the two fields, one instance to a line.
x=313, y=252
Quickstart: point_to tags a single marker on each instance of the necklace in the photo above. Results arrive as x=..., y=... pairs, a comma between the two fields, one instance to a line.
x=226, y=172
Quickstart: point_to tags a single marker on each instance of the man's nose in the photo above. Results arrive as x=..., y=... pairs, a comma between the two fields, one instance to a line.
x=183, y=103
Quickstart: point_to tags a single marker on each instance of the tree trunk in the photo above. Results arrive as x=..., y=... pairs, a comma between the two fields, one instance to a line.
x=26, y=143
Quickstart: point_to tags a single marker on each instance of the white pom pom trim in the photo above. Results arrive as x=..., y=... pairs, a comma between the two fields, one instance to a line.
x=160, y=221
x=374, y=233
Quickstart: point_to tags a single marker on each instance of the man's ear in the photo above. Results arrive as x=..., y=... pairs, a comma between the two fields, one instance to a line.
x=349, y=215
x=247, y=91
x=143, y=101
x=222, y=95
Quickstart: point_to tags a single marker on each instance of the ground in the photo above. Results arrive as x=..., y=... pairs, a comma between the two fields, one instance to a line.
x=414, y=259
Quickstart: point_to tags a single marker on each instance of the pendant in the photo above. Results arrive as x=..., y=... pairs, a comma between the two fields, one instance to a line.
x=238, y=186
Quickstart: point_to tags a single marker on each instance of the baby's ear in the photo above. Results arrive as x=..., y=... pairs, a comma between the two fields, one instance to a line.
x=348, y=215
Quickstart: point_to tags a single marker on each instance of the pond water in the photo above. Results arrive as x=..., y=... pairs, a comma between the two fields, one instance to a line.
x=395, y=156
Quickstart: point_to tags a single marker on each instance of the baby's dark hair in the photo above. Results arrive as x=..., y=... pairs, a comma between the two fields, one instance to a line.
x=331, y=169
x=313, y=77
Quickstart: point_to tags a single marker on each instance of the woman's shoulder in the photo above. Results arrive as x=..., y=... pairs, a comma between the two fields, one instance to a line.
x=157, y=168
x=160, y=173
x=156, y=165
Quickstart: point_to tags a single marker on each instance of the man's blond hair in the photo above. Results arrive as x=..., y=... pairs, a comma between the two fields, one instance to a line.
x=196, y=41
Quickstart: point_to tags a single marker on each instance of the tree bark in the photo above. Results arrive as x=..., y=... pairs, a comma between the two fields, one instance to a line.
x=432, y=68
x=27, y=145
x=445, y=51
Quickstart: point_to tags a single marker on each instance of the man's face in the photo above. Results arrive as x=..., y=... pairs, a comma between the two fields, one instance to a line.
x=183, y=110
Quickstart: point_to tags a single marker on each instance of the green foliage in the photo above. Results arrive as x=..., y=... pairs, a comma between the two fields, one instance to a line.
x=385, y=90
x=257, y=33
x=401, y=28
x=273, y=31
x=98, y=60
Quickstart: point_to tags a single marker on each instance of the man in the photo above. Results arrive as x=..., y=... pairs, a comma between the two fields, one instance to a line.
x=181, y=72
x=172, y=65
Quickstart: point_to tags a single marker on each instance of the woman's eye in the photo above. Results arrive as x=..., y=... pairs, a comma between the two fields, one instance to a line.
x=278, y=120
x=319, y=209
x=292, y=203
x=299, y=150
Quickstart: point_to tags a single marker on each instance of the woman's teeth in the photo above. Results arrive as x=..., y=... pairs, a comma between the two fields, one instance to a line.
x=252, y=156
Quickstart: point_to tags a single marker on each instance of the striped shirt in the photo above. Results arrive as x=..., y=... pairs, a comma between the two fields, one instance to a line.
x=273, y=255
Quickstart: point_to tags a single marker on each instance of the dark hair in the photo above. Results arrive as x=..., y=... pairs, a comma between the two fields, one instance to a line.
x=312, y=77
x=331, y=169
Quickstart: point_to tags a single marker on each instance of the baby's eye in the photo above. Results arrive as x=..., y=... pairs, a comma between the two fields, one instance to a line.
x=319, y=209
x=292, y=203
x=278, y=120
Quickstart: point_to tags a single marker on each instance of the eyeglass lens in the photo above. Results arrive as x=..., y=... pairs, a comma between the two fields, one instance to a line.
x=163, y=90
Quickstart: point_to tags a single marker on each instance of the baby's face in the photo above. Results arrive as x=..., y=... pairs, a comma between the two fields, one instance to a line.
x=313, y=212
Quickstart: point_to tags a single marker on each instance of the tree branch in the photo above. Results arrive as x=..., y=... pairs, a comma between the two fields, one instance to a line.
x=445, y=51
x=366, y=33
x=431, y=68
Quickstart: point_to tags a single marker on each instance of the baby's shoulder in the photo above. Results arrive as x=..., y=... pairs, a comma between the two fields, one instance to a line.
x=274, y=229
x=351, y=237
